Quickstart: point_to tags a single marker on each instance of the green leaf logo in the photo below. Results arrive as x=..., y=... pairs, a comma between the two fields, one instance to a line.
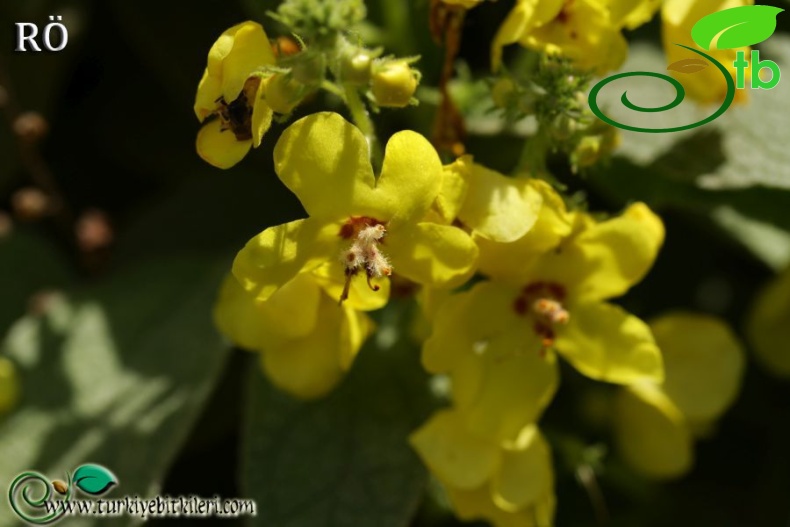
x=688, y=66
x=736, y=27
x=94, y=479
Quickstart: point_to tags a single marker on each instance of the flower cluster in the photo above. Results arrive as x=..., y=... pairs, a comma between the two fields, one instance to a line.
x=513, y=276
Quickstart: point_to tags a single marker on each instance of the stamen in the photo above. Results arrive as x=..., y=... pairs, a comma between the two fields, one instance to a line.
x=364, y=253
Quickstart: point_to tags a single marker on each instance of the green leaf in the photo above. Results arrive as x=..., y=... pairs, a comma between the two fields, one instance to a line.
x=94, y=479
x=344, y=460
x=114, y=375
x=28, y=264
x=736, y=27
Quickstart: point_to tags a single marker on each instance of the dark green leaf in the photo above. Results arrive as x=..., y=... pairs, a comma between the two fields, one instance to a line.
x=736, y=27
x=344, y=460
x=114, y=375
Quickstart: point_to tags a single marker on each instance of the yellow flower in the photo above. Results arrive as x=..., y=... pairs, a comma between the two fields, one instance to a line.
x=679, y=16
x=655, y=424
x=229, y=98
x=365, y=228
x=9, y=386
x=547, y=294
x=509, y=484
x=466, y=4
x=768, y=328
x=586, y=31
x=307, y=342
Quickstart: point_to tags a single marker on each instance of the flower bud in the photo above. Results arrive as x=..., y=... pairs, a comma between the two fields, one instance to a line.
x=394, y=84
x=355, y=68
x=30, y=204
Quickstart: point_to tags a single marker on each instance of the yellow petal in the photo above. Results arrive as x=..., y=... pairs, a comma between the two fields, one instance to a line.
x=526, y=473
x=494, y=359
x=208, y=91
x=499, y=208
x=450, y=451
x=525, y=16
x=585, y=34
x=9, y=386
x=477, y=504
x=238, y=317
x=220, y=147
x=249, y=52
x=651, y=434
x=703, y=364
x=431, y=254
x=354, y=331
x=278, y=254
x=331, y=277
x=454, y=189
x=626, y=13
x=261, y=116
x=768, y=327
x=607, y=258
x=311, y=366
x=511, y=262
x=605, y=343
x=411, y=177
x=323, y=159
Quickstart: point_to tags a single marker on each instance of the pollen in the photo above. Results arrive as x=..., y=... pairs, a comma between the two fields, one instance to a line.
x=364, y=254
x=542, y=304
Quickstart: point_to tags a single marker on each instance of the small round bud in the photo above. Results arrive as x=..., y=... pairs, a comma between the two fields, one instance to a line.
x=93, y=231
x=30, y=204
x=355, y=68
x=30, y=127
x=282, y=93
x=394, y=84
x=285, y=47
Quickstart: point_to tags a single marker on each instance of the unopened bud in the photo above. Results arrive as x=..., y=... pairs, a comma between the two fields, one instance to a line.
x=30, y=127
x=394, y=84
x=282, y=93
x=355, y=67
x=30, y=204
x=93, y=231
x=285, y=47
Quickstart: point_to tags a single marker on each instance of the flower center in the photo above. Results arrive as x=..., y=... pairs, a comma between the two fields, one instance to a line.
x=541, y=302
x=237, y=115
x=364, y=253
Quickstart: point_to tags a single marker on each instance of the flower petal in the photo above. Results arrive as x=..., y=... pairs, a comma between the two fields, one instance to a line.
x=703, y=362
x=651, y=434
x=431, y=254
x=208, y=91
x=499, y=208
x=767, y=326
x=411, y=177
x=457, y=457
x=275, y=256
x=331, y=277
x=311, y=366
x=525, y=15
x=478, y=505
x=526, y=474
x=453, y=191
x=220, y=148
x=606, y=258
x=261, y=116
x=249, y=52
x=605, y=343
x=323, y=159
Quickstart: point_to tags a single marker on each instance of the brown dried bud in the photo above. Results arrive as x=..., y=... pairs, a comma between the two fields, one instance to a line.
x=60, y=486
x=30, y=204
x=285, y=47
x=93, y=231
x=30, y=127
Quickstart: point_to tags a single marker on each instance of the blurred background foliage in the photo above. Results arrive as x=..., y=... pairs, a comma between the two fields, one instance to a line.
x=120, y=364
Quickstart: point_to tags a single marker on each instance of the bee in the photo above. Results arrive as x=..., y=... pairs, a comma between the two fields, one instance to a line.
x=236, y=116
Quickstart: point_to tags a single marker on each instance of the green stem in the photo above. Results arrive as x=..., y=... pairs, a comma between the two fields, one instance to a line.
x=533, y=157
x=361, y=118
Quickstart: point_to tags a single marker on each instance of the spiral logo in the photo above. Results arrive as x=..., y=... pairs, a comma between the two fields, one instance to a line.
x=21, y=497
x=680, y=95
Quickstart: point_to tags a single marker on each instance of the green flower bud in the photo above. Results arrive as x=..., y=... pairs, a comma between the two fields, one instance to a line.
x=355, y=68
x=283, y=93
